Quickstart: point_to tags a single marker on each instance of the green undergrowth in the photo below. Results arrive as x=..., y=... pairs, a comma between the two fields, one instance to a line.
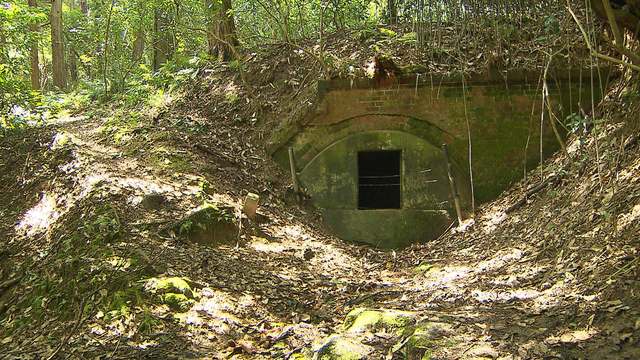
x=122, y=126
x=209, y=224
x=174, y=292
x=83, y=271
x=90, y=272
x=163, y=157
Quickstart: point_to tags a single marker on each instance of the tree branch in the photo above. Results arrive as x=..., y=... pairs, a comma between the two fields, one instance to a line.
x=593, y=51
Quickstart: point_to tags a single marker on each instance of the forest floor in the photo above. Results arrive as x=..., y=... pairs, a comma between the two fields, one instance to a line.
x=123, y=237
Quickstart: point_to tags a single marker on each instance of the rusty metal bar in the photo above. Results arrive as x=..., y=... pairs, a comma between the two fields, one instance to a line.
x=452, y=184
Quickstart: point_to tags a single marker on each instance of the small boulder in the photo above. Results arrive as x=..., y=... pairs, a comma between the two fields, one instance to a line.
x=208, y=225
x=153, y=201
x=174, y=285
x=177, y=302
x=362, y=320
x=338, y=347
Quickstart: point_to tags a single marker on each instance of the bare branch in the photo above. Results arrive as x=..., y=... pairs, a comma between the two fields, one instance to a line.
x=593, y=51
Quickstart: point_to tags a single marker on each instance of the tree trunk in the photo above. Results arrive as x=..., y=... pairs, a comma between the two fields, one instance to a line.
x=138, y=46
x=626, y=16
x=84, y=7
x=163, y=37
x=393, y=12
x=73, y=66
x=72, y=59
x=212, y=43
x=57, y=45
x=221, y=29
x=35, y=62
x=106, y=49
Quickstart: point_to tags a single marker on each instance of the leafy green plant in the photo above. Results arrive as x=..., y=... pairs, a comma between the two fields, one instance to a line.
x=575, y=122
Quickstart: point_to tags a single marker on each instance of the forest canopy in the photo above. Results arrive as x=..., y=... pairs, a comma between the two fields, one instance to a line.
x=104, y=47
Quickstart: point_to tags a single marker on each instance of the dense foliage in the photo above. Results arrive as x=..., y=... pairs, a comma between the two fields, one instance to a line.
x=106, y=47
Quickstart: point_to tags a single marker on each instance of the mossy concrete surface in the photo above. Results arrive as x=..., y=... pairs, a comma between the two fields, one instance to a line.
x=503, y=120
x=387, y=228
x=332, y=178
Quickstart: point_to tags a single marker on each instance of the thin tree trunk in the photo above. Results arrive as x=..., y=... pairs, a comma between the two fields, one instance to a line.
x=138, y=45
x=73, y=66
x=212, y=42
x=71, y=54
x=106, y=49
x=35, y=62
x=393, y=11
x=221, y=29
x=163, y=38
x=57, y=45
x=84, y=7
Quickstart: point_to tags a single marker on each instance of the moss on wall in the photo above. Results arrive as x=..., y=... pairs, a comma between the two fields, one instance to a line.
x=502, y=120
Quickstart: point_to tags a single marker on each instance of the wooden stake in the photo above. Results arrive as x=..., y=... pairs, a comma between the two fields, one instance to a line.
x=251, y=205
x=294, y=174
x=452, y=184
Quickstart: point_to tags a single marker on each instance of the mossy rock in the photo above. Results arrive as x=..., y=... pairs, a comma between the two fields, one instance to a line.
x=426, y=338
x=338, y=347
x=361, y=320
x=177, y=302
x=426, y=333
x=208, y=225
x=422, y=268
x=168, y=285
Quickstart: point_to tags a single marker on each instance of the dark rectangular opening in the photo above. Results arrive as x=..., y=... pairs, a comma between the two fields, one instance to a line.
x=379, y=180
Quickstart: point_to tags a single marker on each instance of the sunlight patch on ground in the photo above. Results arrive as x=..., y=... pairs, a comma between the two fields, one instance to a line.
x=326, y=255
x=464, y=226
x=513, y=279
x=41, y=216
x=492, y=219
x=629, y=218
x=214, y=314
x=67, y=119
x=294, y=232
x=450, y=277
x=504, y=296
x=574, y=336
x=264, y=245
x=502, y=258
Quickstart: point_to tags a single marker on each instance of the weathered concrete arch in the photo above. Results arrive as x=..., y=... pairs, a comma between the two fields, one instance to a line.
x=332, y=179
x=417, y=117
x=370, y=122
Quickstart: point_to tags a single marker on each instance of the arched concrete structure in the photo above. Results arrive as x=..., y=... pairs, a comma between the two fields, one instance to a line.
x=332, y=176
x=415, y=116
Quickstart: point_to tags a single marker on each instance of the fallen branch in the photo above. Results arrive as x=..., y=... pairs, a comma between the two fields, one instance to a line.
x=532, y=191
x=64, y=341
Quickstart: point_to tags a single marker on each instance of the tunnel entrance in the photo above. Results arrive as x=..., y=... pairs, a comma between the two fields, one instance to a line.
x=379, y=180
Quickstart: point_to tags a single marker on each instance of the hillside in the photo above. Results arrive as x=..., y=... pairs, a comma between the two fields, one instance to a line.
x=106, y=212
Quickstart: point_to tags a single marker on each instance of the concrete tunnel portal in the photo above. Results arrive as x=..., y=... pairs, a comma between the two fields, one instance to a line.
x=370, y=156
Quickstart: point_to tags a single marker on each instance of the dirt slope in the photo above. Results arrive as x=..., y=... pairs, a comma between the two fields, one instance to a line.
x=101, y=255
